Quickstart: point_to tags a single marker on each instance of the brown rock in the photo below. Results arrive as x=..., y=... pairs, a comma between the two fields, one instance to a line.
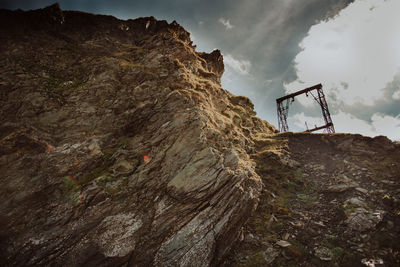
x=98, y=96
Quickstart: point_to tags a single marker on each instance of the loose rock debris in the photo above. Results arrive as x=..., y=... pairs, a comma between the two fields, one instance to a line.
x=340, y=206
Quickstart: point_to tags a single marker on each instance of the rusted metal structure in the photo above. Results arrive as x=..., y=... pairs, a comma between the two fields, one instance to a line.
x=284, y=102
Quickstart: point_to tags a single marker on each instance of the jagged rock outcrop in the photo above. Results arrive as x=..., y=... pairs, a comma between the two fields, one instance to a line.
x=118, y=144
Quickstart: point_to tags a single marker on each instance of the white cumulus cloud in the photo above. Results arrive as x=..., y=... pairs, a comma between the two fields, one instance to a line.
x=379, y=124
x=387, y=125
x=396, y=95
x=240, y=66
x=354, y=55
x=226, y=23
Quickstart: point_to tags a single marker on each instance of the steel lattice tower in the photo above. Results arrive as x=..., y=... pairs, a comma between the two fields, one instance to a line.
x=284, y=102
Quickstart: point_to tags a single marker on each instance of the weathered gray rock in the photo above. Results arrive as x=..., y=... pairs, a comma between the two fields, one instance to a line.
x=362, y=190
x=356, y=202
x=283, y=243
x=362, y=219
x=270, y=255
x=338, y=188
x=323, y=253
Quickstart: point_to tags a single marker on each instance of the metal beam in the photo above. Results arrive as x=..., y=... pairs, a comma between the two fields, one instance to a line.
x=319, y=128
x=318, y=86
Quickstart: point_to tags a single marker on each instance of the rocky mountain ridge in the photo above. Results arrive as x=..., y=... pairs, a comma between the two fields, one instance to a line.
x=118, y=146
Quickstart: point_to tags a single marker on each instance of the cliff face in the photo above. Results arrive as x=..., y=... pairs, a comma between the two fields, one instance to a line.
x=119, y=146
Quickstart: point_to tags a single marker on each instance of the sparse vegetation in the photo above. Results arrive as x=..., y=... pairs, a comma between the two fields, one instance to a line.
x=337, y=253
x=129, y=64
x=102, y=170
x=308, y=198
x=349, y=209
x=71, y=190
x=257, y=259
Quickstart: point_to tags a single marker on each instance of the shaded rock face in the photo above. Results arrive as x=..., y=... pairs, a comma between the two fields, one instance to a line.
x=118, y=144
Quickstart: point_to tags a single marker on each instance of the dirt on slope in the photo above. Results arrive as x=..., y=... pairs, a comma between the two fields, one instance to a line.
x=335, y=204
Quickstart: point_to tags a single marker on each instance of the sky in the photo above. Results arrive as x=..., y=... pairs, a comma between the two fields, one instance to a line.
x=275, y=47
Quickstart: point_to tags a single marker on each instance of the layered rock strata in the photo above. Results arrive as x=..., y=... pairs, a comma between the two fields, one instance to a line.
x=118, y=144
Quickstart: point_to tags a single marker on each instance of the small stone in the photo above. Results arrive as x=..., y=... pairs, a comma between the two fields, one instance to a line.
x=319, y=223
x=340, y=187
x=283, y=243
x=355, y=201
x=286, y=236
x=241, y=236
x=387, y=182
x=372, y=262
x=269, y=255
x=363, y=236
x=323, y=253
x=75, y=146
x=362, y=190
x=297, y=224
x=249, y=238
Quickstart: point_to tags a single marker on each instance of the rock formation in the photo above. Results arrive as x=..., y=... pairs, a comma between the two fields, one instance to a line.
x=119, y=146
x=84, y=98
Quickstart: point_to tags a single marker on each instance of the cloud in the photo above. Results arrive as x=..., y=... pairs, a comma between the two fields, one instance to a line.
x=240, y=66
x=348, y=123
x=226, y=23
x=387, y=125
x=355, y=55
x=379, y=124
x=396, y=95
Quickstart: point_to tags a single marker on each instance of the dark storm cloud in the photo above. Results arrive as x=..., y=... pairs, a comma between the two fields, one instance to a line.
x=267, y=33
